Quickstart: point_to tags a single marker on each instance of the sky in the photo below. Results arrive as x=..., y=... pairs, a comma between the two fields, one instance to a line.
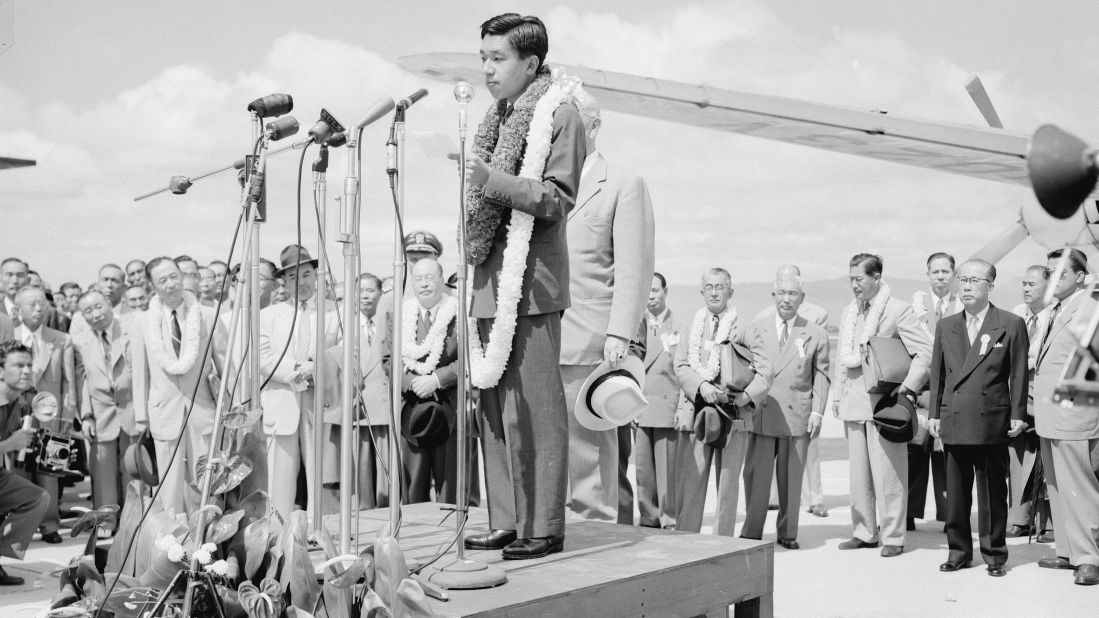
x=114, y=98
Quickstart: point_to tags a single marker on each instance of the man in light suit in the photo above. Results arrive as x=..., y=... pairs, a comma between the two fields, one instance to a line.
x=525, y=428
x=657, y=437
x=291, y=397
x=1070, y=435
x=14, y=274
x=610, y=240
x=788, y=416
x=943, y=301
x=978, y=401
x=7, y=329
x=730, y=414
x=53, y=371
x=172, y=362
x=878, y=467
x=106, y=410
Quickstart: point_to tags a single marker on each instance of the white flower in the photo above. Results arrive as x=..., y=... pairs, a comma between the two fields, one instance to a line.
x=219, y=567
x=209, y=547
x=175, y=553
x=166, y=541
x=203, y=556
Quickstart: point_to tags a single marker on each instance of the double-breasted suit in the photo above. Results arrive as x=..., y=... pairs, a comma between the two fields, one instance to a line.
x=977, y=388
x=657, y=438
x=1070, y=436
x=610, y=243
x=780, y=434
x=107, y=401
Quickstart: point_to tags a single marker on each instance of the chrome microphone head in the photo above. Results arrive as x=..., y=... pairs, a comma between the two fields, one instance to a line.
x=463, y=92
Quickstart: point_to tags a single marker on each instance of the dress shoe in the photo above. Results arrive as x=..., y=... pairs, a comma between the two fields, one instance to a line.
x=950, y=566
x=1017, y=531
x=1055, y=563
x=53, y=538
x=891, y=551
x=910, y=524
x=789, y=543
x=772, y=507
x=493, y=539
x=526, y=549
x=819, y=510
x=996, y=570
x=857, y=544
x=9, y=580
x=1045, y=536
x=1087, y=575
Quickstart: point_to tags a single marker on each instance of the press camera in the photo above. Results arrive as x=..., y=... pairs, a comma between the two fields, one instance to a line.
x=49, y=452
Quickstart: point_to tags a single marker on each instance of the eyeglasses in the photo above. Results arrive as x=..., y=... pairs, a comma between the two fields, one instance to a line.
x=1049, y=272
x=720, y=287
x=973, y=280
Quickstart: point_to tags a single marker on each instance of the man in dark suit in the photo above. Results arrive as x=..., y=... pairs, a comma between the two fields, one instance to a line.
x=978, y=402
x=525, y=429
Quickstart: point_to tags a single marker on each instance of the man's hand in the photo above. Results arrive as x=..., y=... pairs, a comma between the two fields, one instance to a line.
x=684, y=419
x=1017, y=427
x=709, y=392
x=424, y=386
x=87, y=429
x=836, y=409
x=933, y=428
x=476, y=170
x=741, y=399
x=17, y=441
x=904, y=391
x=815, y=422
x=615, y=349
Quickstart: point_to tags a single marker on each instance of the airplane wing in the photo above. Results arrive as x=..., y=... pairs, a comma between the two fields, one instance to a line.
x=991, y=154
x=9, y=162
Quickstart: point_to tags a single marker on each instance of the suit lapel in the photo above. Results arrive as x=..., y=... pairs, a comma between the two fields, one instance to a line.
x=786, y=354
x=1059, y=322
x=598, y=173
x=992, y=330
x=118, y=345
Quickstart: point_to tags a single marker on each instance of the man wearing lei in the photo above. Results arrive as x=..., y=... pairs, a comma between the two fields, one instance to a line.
x=879, y=467
x=523, y=179
x=698, y=368
x=170, y=378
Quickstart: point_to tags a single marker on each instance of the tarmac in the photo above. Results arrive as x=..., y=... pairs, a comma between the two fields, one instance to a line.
x=816, y=580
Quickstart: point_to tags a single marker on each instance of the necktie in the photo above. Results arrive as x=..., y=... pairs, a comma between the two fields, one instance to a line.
x=106, y=350
x=369, y=331
x=1031, y=326
x=177, y=333
x=784, y=335
x=716, y=321
x=972, y=329
x=1049, y=323
x=941, y=310
x=304, y=332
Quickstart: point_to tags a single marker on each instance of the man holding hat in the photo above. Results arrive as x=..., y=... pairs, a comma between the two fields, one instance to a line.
x=978, y=402
x=289, y=400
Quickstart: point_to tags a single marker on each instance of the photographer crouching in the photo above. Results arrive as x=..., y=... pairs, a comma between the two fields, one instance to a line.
x=22, y=503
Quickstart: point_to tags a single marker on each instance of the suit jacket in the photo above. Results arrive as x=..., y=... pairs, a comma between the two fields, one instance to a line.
x=923, y=304
x=107, y=390
x=801, y=381
x=7, y=328
x=546, y=278
x=661, y=385
x=161, y=398
x=281, y=403
x=898, y=321
x=610, y=239
x=690, y=380
x=975, y=395
x=1052, y=420
x=375, y=372
x=54, y=371
x=446, y=371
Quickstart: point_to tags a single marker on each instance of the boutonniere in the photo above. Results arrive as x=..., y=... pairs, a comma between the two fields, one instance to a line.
x=800, y=343
x=669, y=339
x=984, y=343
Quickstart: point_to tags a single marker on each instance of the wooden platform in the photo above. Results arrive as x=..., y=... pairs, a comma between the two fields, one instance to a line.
x=605, y=570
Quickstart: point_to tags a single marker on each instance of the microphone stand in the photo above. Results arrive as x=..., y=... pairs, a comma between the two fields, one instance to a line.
x=349, y=238
x=395, y=167
x=320, y=373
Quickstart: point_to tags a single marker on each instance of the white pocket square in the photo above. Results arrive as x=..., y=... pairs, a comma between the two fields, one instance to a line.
x=998, y=345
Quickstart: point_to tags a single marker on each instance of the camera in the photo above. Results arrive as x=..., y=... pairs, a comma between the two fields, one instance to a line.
x=49, y=452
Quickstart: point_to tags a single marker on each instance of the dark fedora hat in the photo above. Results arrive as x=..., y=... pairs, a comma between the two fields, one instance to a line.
x=895, y=417
x=294, y=256
x=140, y=460
x=426, y=423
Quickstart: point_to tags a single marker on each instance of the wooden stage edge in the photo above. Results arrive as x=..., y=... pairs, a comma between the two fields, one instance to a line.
x=605, y=569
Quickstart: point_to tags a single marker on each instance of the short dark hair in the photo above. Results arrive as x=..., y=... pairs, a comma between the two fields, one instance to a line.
x=871, y=264
x=68, y=285
x=153, y=263
x=941, y=255
x=1038, y=268
x=1077, y=260
x=526, y=33
x=990, y=268
x=663, y=281
x=90, y=292
x=11, y=347
x=14, y=259
x=371, y=277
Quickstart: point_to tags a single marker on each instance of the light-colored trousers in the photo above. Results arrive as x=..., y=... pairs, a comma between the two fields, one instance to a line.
x=109, y=479
x=175, y=492
x=693, y=469
x=285, y=455
x=781, y=459
x=879, y=484
x=593, y=457
x=1070, y=467
x=654, y=454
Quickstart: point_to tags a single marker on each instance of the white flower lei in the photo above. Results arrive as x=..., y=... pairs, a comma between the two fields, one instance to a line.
x=487, y=364
x=432, y=345
x=164, y=352
x=724, y=332
x=850, y=353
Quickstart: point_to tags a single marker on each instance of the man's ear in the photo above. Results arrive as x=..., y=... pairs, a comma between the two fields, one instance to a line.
x=533, y=64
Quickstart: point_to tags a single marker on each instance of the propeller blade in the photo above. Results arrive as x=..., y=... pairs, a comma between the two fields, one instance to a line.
x=979, y=95
x=1003, y=244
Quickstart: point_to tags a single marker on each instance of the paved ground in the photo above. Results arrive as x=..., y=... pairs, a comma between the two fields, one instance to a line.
x=817, y=580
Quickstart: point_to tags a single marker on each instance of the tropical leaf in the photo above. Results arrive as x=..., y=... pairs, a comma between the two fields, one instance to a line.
x=127, y=526
x=236, y=470
x=224, y=527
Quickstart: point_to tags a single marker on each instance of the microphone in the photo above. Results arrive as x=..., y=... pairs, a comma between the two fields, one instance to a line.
x=380, y=108
x=272, y=105
x=463, y=94
x=337, y=140
x=283, y=127
x=404, y=104
x=325, y=127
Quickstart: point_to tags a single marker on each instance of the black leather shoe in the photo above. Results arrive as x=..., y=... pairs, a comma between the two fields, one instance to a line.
x=1087, y=575
x=527, y=549
x=493, y=539
x=1055, y=563
x=53, y=538
x=9, y=580
x=996, y=570
x=1017, y=531
x=1045, y=536
x=789, y=543
x=950, y=566
x=857, y=544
